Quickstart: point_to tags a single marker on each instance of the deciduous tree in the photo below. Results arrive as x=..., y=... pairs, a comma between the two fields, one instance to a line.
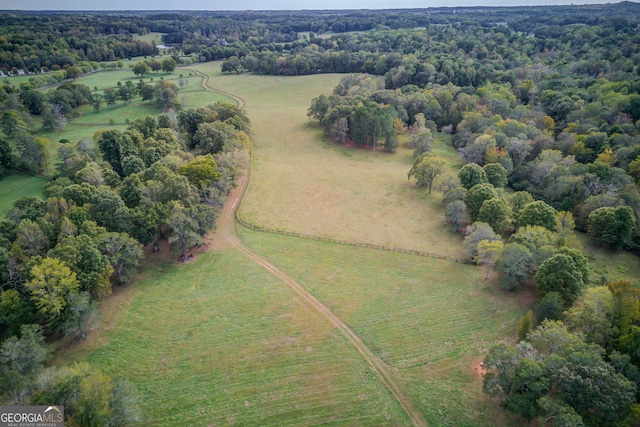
x=140, y=69
x=515, y=266
x=497, y=213
x=612, y=226
x=560, y=274
x=472, y=174
x=51, y=284
x=488, y=253
x=538, y=213
x=496, y=174
x=184, y=230
x=83, y=257
x=478, y=194
x=124, y=253
x=456, y=215
x=426, y=168
x=477, y=232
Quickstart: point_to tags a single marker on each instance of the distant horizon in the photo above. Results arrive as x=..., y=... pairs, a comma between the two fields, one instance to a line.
x=280, y=5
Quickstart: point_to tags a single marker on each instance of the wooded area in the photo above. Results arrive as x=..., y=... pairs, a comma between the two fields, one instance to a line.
x=542, y=104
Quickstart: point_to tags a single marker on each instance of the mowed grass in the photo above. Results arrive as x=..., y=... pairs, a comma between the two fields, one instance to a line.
x=219, y=341
x=429, y=319
x=149, y=37
x=191, y=95
x=17, y=185
x=303, y=183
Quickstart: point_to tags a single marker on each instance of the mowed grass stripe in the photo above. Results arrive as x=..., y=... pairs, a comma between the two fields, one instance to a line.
x=218, y=341
x=408, y=309
x=427, y=318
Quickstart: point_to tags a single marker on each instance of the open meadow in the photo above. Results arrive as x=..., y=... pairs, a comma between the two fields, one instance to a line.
x=17, y=185
x=219, y=341
x=222, y=341
x=261, y=273
x=303, y=183
x=190, y=95
x=428, y=319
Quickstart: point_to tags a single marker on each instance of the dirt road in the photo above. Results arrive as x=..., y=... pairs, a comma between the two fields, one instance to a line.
x=225, y=235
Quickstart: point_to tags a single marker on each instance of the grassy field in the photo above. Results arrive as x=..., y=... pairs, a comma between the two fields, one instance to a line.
x=149, y=37
x=191, y=95
x=18, y=185
x=428, y=319
x=220, y=341
x=304, y=183
x=609, y=265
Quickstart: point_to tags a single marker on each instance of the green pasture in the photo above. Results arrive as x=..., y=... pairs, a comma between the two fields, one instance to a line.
x=16, y=80
x=106, y=79
x=219, y=341
x=149, y=37
x=428, y=319
x=17, y=185
x=609, y=265
x=192, y=94
x=304, y=183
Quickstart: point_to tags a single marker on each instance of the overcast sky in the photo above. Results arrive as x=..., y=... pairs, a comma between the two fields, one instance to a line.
x=266, y=4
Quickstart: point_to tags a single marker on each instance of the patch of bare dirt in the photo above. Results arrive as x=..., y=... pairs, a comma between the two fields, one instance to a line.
x=478, y=368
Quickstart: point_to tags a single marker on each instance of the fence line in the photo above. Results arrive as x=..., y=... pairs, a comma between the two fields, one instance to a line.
x=254, y=227
x=96, y=124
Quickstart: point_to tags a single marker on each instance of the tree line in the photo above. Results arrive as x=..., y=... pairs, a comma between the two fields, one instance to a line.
x=98, y=37
x=577, y=345
x=113, y=195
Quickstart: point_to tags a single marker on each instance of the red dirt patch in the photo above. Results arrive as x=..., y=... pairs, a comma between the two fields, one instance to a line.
x=478, y=368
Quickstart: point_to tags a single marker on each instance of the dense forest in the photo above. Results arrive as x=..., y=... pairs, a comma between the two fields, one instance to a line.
x=112, y=195
x=547, y=127
x=542, y=104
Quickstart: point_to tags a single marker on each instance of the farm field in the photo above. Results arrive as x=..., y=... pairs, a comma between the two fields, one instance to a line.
x=219, y=341
x=234, y=344
x=303, y=183
x=17, y=185
x=428, y=319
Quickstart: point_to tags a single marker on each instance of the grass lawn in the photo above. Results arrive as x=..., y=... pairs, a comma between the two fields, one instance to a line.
x=18, y=185
x=428, y=319
x=303, y=183
x=219, y=341
x=105, y=79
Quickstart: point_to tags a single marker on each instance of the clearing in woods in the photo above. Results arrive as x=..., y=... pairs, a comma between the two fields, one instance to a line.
x=17, y=185
x=191, y=94
x=303, y=183
x=221, y=340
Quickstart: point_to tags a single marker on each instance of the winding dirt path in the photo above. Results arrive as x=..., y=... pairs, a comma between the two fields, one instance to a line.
x=225, y=236
x=205, y=85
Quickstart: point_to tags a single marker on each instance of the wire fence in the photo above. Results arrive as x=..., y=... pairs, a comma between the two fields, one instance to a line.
x=87, y=125
x=254, y=227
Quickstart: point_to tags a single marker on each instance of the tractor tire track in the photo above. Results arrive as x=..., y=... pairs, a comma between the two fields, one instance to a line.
x=205, y=85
